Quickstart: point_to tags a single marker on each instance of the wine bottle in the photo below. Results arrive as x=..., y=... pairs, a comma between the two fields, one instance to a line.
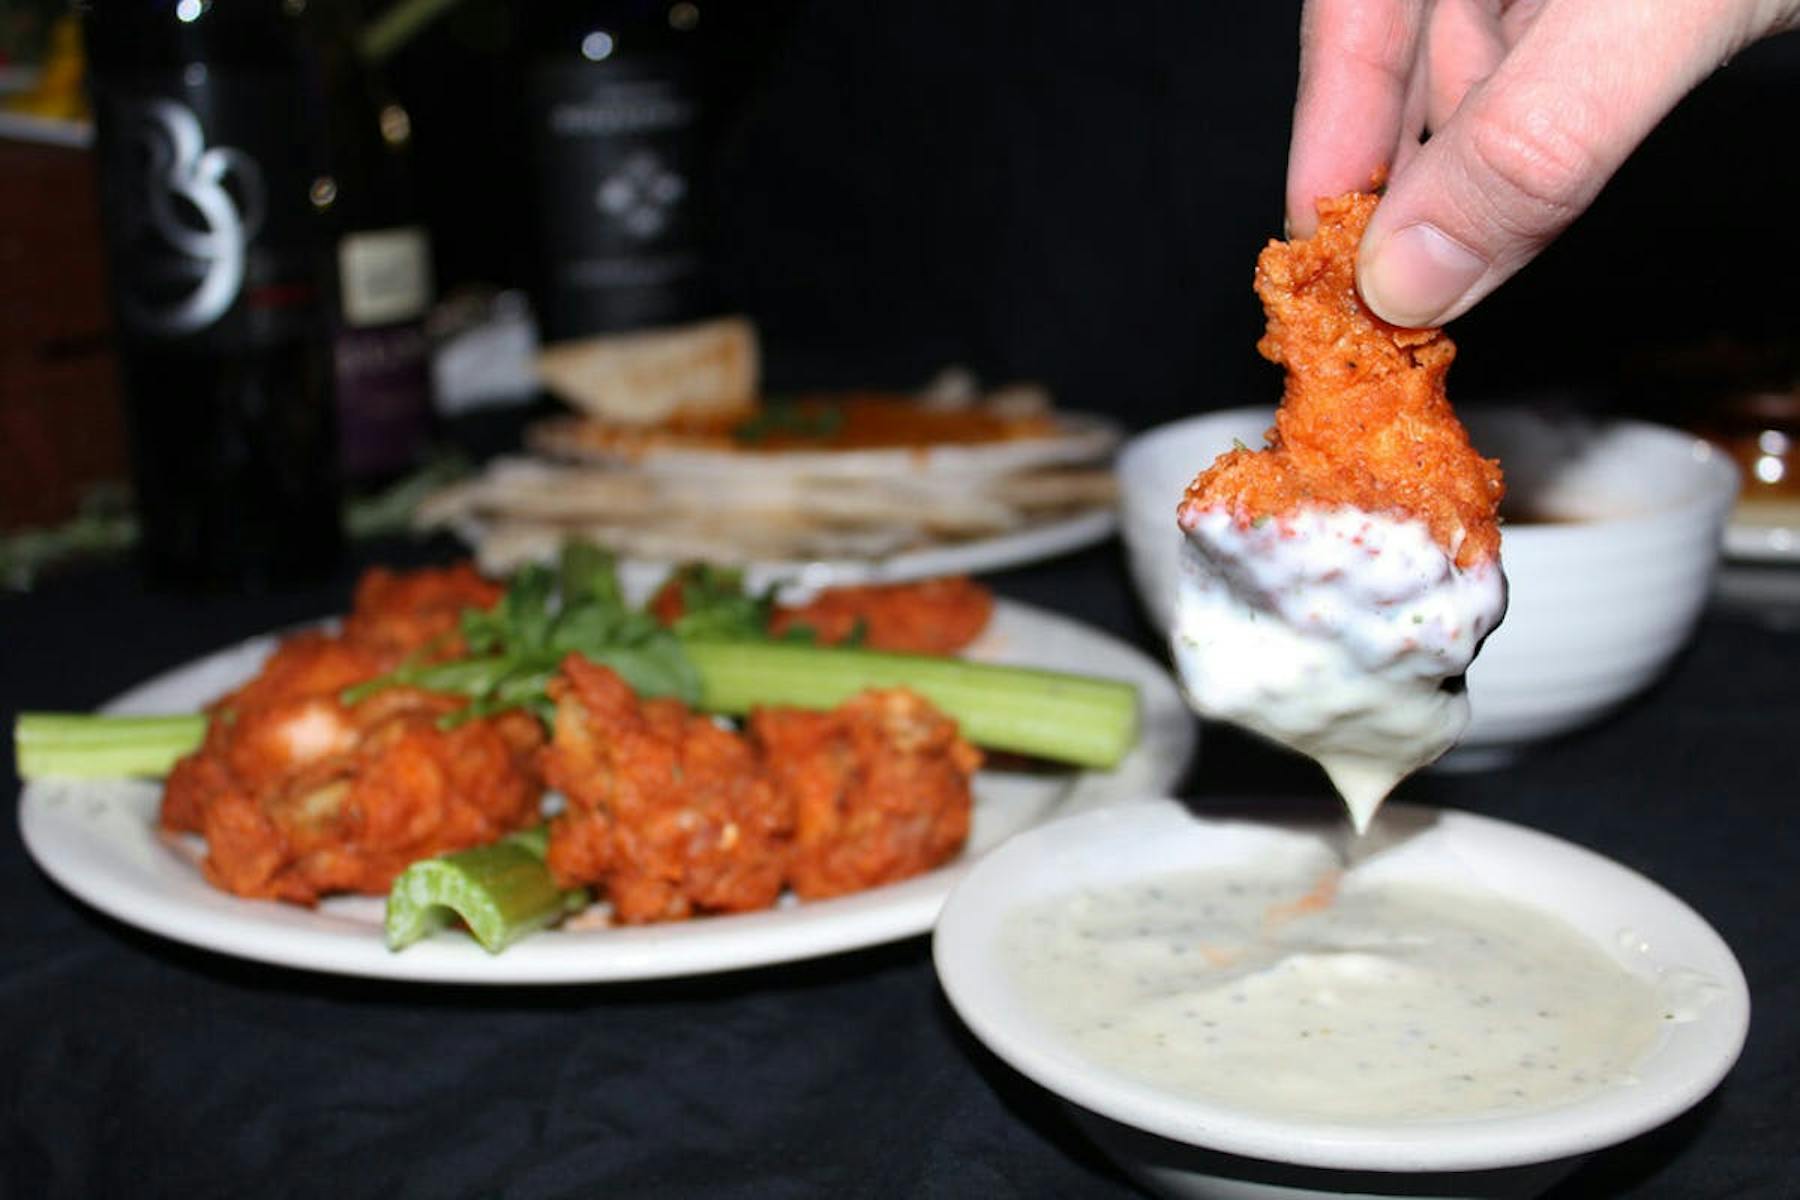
x=381, y=260
x=209, y=164
x=613, y=108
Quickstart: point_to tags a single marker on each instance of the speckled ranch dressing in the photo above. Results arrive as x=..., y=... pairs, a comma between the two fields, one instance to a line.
x=1332, y=631
x=1255, y=987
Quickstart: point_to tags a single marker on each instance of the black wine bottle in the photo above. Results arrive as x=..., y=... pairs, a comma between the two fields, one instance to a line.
x=381, y=259
x=614, y=111
x=210, y=162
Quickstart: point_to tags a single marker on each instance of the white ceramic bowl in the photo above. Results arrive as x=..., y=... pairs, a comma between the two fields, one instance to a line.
x=1604, y=587
x=1189, y=1147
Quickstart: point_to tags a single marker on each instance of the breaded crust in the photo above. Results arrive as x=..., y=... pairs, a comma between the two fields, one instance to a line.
x=1364, y=421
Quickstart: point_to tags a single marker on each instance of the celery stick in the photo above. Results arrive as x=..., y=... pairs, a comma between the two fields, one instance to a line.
x=88, y=746
x=1073, y=719
x=1066, y=718
x=502, y=892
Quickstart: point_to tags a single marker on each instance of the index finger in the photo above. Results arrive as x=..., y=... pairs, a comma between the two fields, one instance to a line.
x=1356, y=57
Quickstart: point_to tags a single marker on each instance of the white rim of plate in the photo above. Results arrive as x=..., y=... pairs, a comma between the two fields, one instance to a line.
x=1035, y=543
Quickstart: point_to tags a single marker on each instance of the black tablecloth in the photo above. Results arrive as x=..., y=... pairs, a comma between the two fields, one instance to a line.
x=136, y=1066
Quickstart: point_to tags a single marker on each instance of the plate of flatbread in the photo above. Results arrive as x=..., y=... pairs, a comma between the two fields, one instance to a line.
x=671, y=454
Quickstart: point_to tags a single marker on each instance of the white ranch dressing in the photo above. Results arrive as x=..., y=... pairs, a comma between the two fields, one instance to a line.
x=1332, y=632
x=1396, y=1001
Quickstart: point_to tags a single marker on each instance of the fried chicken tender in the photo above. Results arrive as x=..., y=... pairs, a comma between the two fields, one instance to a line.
x=667, y=812
x=879, y=788
x=673, y=816
x=299, y=795
x=284, y=719
x=1364, y=421
x=930, y=616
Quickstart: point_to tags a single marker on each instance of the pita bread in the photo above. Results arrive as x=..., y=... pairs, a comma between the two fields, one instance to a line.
x=863, y=477
x=708, y=370
x=1069, y=439
x=533, y=491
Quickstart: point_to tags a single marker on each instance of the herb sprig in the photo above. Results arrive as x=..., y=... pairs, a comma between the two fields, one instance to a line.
x=784, y=417
x=547, y=614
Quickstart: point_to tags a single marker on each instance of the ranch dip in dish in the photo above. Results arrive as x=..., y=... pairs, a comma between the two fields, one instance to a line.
x=1278, y=985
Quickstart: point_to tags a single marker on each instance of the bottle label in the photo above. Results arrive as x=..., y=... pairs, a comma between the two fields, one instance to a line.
x=384, y=398
x=201, y=206
x=617, y=154
x=205, y=177
x=384, y=276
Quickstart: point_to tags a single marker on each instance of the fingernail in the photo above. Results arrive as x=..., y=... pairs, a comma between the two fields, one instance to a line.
x=1417, y=274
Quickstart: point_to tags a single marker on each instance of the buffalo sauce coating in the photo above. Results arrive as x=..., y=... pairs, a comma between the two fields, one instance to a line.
x=666, y=810
x=672, y=816
x=942, y=615
x=1364, y=422
x=879, y=787
x=300, y=795
x=929, y=616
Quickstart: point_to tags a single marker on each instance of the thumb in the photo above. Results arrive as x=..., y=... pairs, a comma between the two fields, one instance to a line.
x=1529, y=148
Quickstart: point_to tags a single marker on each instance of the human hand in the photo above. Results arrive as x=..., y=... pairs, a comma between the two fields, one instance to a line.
x=1531, y=105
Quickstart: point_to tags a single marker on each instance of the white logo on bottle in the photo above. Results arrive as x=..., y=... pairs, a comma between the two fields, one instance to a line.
x=641, y=195
x=205, y=204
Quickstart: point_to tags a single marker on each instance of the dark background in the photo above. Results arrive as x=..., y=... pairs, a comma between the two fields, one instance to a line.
x=1074, y=193
x=1077, y=192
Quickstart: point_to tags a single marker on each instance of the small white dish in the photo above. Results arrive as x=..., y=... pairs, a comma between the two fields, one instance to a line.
x=1607, y=571
x=1183, y=1146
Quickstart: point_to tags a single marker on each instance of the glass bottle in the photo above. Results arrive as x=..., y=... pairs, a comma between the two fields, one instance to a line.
x=613, y=109
x=381, y=260
x=209, y=156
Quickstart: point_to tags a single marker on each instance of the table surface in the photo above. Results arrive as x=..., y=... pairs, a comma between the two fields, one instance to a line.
x=138, y=1066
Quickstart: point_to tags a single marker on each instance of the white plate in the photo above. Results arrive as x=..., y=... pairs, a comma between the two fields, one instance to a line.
x=1033, y=543
x=1648, y=931
x=100, y=841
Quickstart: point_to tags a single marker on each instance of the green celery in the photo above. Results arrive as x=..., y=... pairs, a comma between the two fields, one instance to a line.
x=1075, y=719
x=501, y=891
x=89, y=746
